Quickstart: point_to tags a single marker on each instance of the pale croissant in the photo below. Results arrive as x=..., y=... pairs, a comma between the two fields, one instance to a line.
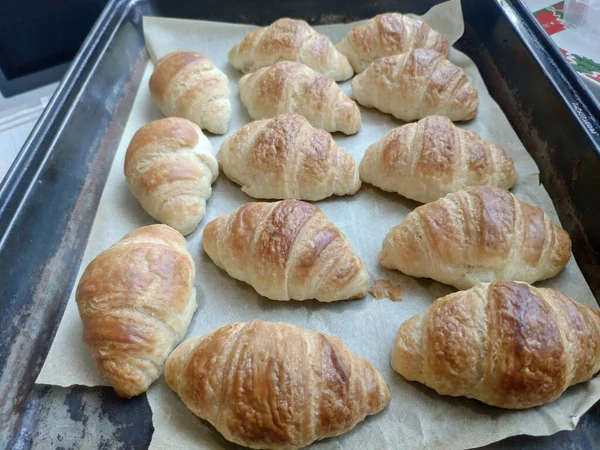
x=188, y=85
x=506, y=344
x=417, y=84
x=477, y=235
x=426, y=160
x=389, y=34
x=169, y=167
x=136, y=300
x=290, y=40
x=286, y=250
x=274, y=385
x=285, y=157
x=291, y=87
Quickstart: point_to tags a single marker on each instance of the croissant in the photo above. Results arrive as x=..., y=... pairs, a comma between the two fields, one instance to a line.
x=169, y=167
x=188, y=85
x=476, y=235
x=291, y=87
x=290, y=40
x=389, y=34
x=136, y=300
x=286, y=250
x=416, y=84
x=274, y=385
x=285, y=157
x=506, y=344
x=426, y=160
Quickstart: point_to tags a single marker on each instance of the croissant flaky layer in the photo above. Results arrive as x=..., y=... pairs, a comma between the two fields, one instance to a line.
x=136, y=300
x=285, y=157
x=506, y=344
x=274, y=385
x=290, y=40
x=431, y=158
x=479, y=234
x=286, y=250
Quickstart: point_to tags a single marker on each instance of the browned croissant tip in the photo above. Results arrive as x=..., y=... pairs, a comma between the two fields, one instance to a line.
x=168, y=66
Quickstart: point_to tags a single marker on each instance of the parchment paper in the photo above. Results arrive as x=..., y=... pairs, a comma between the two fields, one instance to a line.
x=417, y=417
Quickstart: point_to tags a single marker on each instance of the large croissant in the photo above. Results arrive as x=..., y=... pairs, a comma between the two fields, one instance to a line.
x=286, y=250
x=506, y=344
x=291, y=87
x=290, y=40
x=415, y=85
x=274, y=385
x=285, y=157
x=170, y=167
x=431, y=158
x=188, y=85
x=389, y=34
x=136, y=300
x=476, y=235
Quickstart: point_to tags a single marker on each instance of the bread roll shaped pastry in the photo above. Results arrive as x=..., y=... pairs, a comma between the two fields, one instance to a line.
x=188, y=85
x=292, y=87
x=170, y=167
x=136, y=300
x=389, y=34
x=479, y=234
x=286, y=250
x=286, y=158
x=274, y=385
x=426, y=160
x=290, y=40
x=507, y=344
x=417, y=84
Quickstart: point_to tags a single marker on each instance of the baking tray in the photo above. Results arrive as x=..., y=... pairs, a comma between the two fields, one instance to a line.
x=49, y=197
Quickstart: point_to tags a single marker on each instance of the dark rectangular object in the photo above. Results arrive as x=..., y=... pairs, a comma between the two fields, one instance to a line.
x=49, y=198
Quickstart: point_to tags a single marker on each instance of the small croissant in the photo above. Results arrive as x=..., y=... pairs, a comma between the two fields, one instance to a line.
x=188, y=85
x=479, y=234
x=273, y=385
x=285, y=157
x=286, y=250
x=291, y=87
x=426, y=160
x=169, y=167
x=506, y=344
x=290, y=40
x=417, y=84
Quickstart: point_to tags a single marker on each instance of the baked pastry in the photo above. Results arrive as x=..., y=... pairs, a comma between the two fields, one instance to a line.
x=136, y=300
x=431, y=158
x=291, y=87
x=506, y=344
x=274, y=385
x=188, y=85
x=290, y=40
x=389, y=34
x=169, y=167
x=417, y=84
x=476, y=235
x=286, y=250
x=285, y=157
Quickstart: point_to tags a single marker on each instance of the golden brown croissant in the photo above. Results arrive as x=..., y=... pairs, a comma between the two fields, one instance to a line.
x=286, y=250
x=136, y=300
x=274, y=385
x=291, y=87
x=506, y=344
x=285, y=157
x=476, y=235
x=290, y=40
x=389, y=34
x=431, y=158
x=169, y=168
x=417, y=84
x=188, y=85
